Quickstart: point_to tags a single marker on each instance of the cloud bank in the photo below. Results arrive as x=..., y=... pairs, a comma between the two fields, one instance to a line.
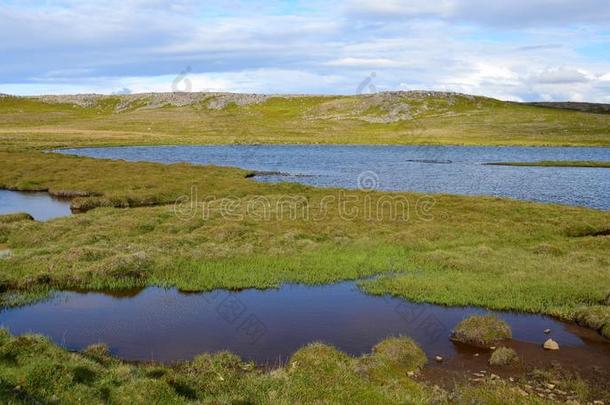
x=522, y=50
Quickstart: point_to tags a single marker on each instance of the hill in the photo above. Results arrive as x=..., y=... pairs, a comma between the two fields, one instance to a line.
x=413, y=117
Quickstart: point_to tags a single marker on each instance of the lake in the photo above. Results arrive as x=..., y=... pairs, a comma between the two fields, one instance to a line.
x=429, y=169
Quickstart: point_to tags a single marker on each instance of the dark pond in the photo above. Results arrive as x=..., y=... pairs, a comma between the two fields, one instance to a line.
x=265, y=326
x=40, y=205
x=432, y=169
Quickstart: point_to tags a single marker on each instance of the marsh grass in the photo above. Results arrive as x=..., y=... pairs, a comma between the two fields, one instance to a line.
x=33, y=369
x=19, y=216
x=503, y=356
x=481, y=330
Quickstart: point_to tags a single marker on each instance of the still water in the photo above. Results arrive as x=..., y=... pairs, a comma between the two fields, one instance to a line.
x=39, y=205
x=266, y=326
x=431, y=169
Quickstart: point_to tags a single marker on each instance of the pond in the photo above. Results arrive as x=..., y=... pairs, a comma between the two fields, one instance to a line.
x=39, y=205
x=266, y=326
x=430, y=169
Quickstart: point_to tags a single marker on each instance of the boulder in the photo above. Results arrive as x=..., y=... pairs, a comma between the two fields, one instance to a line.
x=550, y=344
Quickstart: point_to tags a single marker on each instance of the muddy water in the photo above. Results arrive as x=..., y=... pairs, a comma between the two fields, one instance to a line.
x=266, y=326
x=40, y=205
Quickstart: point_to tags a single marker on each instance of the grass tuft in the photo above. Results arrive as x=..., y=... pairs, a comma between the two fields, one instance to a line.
x=481, y=330
x=594, y=317
x=503, y=356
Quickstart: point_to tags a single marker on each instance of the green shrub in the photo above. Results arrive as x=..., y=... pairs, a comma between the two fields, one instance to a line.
x=503, y=356
x=481, y=330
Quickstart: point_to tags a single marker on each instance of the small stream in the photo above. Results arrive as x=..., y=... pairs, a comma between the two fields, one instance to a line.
x=266, y=326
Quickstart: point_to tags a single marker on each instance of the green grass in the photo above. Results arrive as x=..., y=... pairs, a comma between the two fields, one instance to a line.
x=18, y=216
x=555, y=163
x=503, y=356
x=481, y=330
x=33, y=370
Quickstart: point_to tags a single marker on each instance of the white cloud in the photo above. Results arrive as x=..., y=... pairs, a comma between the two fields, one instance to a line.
x=512, y=13
x=519, y=50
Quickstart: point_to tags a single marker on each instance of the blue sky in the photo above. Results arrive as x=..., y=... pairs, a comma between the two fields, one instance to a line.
x=518, y=50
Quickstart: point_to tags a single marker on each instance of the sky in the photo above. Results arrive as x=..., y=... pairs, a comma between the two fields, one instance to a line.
x=522, y=50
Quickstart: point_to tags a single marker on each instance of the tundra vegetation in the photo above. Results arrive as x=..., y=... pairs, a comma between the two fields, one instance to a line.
x=452, y=250
x=482, y=330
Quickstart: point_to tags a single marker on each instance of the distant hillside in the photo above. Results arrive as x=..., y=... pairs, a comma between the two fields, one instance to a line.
x=597, y=108
x=405, y=117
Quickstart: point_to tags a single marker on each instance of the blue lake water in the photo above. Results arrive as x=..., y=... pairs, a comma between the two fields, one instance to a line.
x=266, y=326
x=431, y=169
x=39, y=205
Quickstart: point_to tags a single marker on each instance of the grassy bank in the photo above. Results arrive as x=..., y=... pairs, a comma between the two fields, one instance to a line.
x=555, y=163
x=199, y=118
x=36, y=371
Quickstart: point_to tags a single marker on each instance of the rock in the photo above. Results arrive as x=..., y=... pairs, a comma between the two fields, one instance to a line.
x=550, y=386
x=492, y=348
x=550, y=344
x=547, y=331
x=495, y=377
x=476, y=355
x=411, y=373
x=438, y=358
x=5, y=254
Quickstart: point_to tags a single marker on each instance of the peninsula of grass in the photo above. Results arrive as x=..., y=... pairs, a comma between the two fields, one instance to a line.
x=554, y=163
